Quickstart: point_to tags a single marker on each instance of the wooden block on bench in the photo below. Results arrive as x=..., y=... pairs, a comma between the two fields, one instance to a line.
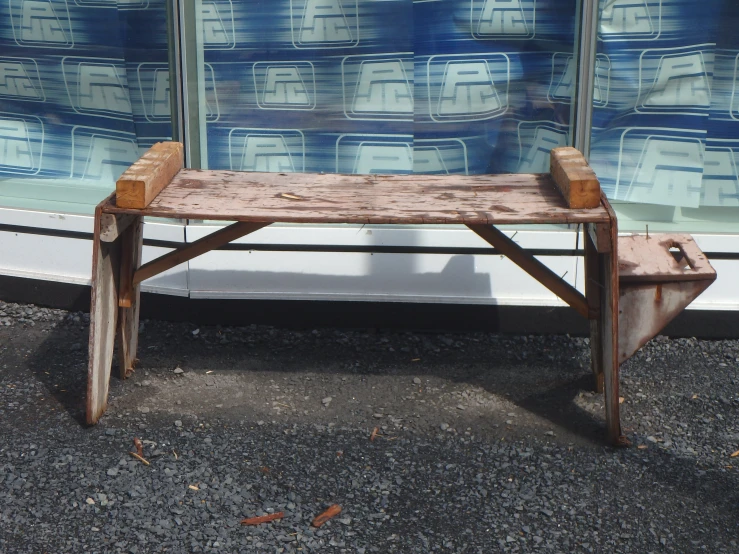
x=574, y=177
x=146, y=178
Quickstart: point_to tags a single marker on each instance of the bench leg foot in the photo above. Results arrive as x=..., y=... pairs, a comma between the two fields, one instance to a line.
x=128, y=328
x=103, y=321
x=602, y=293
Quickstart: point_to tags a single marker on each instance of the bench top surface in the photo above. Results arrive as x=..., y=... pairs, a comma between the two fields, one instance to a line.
x=336, y=198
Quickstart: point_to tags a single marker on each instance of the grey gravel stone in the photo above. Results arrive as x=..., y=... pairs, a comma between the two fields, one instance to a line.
x=546, y=484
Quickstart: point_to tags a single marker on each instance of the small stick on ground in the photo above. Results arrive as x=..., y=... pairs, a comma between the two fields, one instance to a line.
x=262, y=519
x=140, y=458
x=322, y=518
x=139, y=446
x=374, y=434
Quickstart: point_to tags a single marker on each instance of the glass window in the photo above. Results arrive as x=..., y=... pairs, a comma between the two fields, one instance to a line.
x=665, y=139
x=357, y=86
x=84, y=90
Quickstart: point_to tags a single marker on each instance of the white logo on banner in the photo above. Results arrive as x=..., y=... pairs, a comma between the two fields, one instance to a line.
x=668, y=168
x=285, y=85
x=681, y=80
x=440, y=156
x=154, y=86
x=564, y=73
x=217, y=21
x=324, y=23
x=271, y=150
x=624, y=19
x=468, y=87
x=21, y=143
x=383, y=158
x=97, y=88
x=383, y=87
x=562, y=85
x=513, y=19
x=40, y=23
x=100, y=154
x=378, y=154
x=266, y=153
x=19, y=78
x=108, y=158
x=720, y=177
x=377, y=88
x=536, y=140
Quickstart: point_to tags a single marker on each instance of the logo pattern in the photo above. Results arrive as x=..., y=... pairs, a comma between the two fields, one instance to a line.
x=468, y=87
x=285, y=85
x=509, y=19
x=39, y=23
x=378, y=87
x=21, y=144
x=324, y=23
x=19, y=78
x=277, y=150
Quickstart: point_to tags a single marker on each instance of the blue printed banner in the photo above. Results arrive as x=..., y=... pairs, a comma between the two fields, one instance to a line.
x=84, y=90
x=392, y=86
x=664, y=114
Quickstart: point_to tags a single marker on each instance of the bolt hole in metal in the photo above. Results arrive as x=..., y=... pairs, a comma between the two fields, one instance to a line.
x=679, y=254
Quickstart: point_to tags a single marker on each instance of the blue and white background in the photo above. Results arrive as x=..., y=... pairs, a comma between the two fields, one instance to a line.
x=387, y=86
x=84, y=89
x=375, y=86
x=665, y=126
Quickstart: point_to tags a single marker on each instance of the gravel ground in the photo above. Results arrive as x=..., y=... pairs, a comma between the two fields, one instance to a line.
x=484, y=443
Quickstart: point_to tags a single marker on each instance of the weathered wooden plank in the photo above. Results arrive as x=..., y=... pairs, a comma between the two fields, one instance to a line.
x=103, y=320
x=195, y=249
x=333, y=198
x=533, y=267
x=609, y=332
x=112, y=225
x=141, y=182
x=644, y=258
x=600, y=235
x=574, y=177
x=128, y=328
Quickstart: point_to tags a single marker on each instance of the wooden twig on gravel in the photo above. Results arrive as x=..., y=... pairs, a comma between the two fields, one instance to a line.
x=322, y=518
x=140, y=458
x=262, y=519
x=139, y=446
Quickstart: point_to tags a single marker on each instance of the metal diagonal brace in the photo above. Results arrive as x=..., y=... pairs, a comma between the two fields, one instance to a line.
x=534, y=267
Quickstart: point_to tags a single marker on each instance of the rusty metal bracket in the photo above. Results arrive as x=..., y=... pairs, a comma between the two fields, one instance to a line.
x=659, y=276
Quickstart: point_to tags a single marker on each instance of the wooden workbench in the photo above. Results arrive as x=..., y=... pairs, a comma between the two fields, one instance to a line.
x=157, y=186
